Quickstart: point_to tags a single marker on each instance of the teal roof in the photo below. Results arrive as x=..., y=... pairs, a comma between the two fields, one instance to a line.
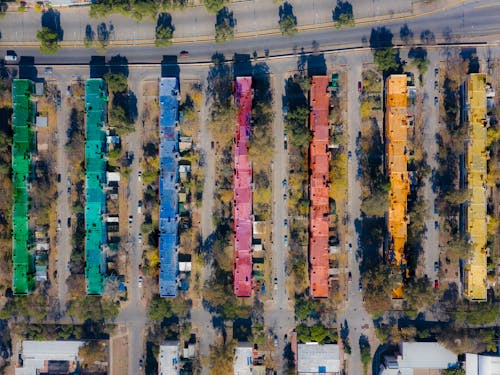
x=95, y=168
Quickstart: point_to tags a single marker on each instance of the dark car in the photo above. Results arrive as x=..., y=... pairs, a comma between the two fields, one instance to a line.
x=58, y=177
x=436, y=85
x=360, y=87
x=349, y=276
x=360, y=285
x=436, y=225
x=184, y=53
x=69, y=222
x=140, y=364
x=436, y=101
x=436, y=266
x=436, y=72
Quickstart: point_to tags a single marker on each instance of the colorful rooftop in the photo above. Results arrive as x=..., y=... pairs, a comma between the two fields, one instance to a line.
x=476, y=165
x=169, y=149
x=396, y=129
x=242, y=211
x=95, y=179
x=319, y=101
x=22, y=120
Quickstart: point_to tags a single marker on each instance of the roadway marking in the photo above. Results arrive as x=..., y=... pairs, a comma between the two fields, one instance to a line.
x=487, y=6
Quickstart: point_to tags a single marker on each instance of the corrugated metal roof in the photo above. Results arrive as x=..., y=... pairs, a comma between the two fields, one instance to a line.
x=319, y=157
x=22, y=121
x=314, y=358
x=95, y=179
x=476, y=164
x=169, y=148
x=242, y=212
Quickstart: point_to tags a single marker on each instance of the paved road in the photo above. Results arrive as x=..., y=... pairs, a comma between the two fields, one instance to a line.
x=355, y=313
x=63, y=201
x=431, y=118
x=460, y=22
x=278, y=312
x=195, y=23
x=134, y=311
x=200, y=317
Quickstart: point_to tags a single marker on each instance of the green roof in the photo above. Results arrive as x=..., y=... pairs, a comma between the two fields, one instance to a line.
x=95, y=167
x=22, y=120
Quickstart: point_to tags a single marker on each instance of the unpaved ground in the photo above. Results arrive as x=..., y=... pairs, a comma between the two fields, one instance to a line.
x=119, y=354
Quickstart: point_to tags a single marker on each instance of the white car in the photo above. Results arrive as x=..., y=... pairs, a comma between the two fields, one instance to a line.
x=139, y=237
x=139, y=281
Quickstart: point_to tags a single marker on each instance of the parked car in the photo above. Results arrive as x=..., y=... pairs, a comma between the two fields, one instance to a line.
x=436, y=101
x=360, y=87
x=436, y=284
x=286, y=240
x=285, y=145
x=48, y=70
x=276, y=340
x=10, y=56
x=349, y=154
x=139, y=207
x=139, y=176
x=69, y=222
x=58, y=177
x=436, y=72
x=139, y=281
x=284, y=183
x=436, y=266
x=285, y=339
x=68, y=90
x=59, y=224
x=275, y=283
x=284, y=197
x=285, y=223
x=436, y=85
x=184, y=53
x=349, y=277
x=436, y=225
x=130, y=219
x=140, y=364
x=139, y=237
x=360, y=285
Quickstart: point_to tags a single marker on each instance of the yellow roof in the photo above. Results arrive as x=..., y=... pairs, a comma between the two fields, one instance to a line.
x=396, y=135
x=476, y=159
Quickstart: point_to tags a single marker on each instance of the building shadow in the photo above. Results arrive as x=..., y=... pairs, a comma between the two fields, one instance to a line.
x=242, y=66
x=471, y=55
x=98, y=66
x=316, y=65
x=170, y=67
x=52, y=19
x=27, y=69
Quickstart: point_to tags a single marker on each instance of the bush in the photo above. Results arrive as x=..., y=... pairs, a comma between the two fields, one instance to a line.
x=288, y=25
x=163, y=36
x=213, y=6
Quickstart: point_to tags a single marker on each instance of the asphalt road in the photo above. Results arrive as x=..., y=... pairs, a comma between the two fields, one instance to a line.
x=356, y=318
x=464, y=22
x=431, y=241
x=278, y=312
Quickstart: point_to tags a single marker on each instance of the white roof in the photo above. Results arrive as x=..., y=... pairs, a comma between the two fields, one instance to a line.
x=243, y=361
x=169, y=359
x=428, y=355
x=185, y=266
x=312, y=357
x=477, y=364
x=113, y=176
x=35, y=353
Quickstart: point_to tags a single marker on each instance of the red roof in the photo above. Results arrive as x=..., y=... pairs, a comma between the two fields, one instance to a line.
x=242, y=211
x=319, y=101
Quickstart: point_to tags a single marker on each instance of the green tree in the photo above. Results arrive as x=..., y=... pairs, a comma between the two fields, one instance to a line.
x=377, y=289
x=93, y=308
x=221, y=357
x=160, y=308
x=376, y=205
x=296, y=124
x=213, y=6
x=288, y=25
x=49, y=41
x=224, y=27
x=453, y=371
x=163, y=35
x=366, y=357
x=343, y=15
x=116, y=82
x=387, y=59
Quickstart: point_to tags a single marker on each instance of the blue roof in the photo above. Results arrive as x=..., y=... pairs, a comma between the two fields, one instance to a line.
x=169, y=148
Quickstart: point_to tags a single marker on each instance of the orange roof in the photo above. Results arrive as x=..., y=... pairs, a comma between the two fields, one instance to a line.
x=396, y=129
x=319, y=157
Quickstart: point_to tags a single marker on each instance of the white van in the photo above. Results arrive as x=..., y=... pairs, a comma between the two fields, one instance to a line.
x=10, y=57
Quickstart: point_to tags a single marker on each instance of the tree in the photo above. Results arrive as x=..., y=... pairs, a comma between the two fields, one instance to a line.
x=288, y=25
x=160, y=308
x=420, y=294
x=387, y=59
x=116, y=82
x=221, y=357
x=376, y=205
x=49, y=41
x=377, y=289
x=364, y=348
x=420, y=61
x=93, y=308
x=224, y=26
x=296, y=123
x=163, y=36
x=213, y=6
x=342, y=14
x=453, y=371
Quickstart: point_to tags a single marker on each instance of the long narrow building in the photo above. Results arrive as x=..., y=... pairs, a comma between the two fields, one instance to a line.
x=242, y=191
x=22, y=121
x=169, y=149
x=319, y=214
x=476, y=169
x=396, y=142
x=95, y=179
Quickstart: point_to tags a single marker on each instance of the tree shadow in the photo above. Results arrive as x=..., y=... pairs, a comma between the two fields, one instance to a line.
x=118, y=64
x=406, y=35
x=427, y=37
x=219, y=81
x=417, y=53
x=344, y=330
x=242, y=65
x=381, y=37
x=52, y=19
x=294, y=95
x=170, y=67
x=104, y=33
x=27, y=69
x=225, y=17
x=89, y=33
x=316, y=65
x=471, y=55
x=132, y=106
x=98, y=66
x=343, y=8
x=286, y=11
x=165, y=21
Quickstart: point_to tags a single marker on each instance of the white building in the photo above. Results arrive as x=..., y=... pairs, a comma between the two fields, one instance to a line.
x=245, y=363
x=480, y=364
x=415, y=357
x=169, y=358
x=39, y=356
x=314, y=358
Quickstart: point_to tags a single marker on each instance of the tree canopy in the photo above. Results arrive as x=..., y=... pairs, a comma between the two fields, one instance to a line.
x=49, y=41
x=116, y=82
